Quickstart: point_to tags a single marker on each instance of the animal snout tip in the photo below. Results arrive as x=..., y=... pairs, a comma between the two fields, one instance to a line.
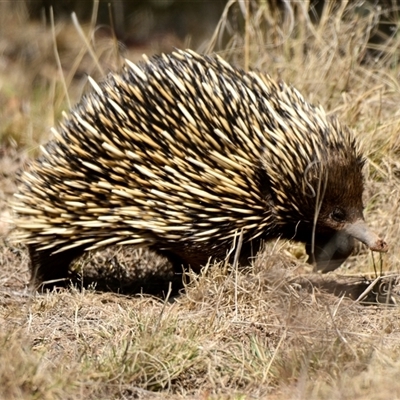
x=380, y=245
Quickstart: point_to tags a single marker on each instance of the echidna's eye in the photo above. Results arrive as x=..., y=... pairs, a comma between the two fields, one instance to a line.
x=338, y=215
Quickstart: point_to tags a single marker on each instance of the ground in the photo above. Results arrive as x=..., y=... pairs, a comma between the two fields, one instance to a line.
x=274, y=330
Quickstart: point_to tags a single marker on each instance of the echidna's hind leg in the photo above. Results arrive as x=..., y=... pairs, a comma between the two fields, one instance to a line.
x=51, y=270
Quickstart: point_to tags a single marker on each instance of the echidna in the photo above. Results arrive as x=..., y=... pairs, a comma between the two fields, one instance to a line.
x=181, y=153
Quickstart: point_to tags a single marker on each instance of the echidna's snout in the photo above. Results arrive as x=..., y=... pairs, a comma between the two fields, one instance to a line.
x=360, y=231
x=330, y=251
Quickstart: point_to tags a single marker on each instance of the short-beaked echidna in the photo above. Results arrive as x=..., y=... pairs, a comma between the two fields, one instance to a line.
x=181, y=153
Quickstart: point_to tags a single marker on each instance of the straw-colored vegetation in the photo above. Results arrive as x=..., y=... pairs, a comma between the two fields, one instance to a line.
x=264, y=332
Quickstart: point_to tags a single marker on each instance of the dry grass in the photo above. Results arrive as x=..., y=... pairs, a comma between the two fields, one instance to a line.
x=229, y=334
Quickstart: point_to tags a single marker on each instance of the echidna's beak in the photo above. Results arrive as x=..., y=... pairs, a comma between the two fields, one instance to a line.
x=359, y=230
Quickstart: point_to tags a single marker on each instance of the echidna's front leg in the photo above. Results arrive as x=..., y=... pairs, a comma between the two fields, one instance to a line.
x=330, y=251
